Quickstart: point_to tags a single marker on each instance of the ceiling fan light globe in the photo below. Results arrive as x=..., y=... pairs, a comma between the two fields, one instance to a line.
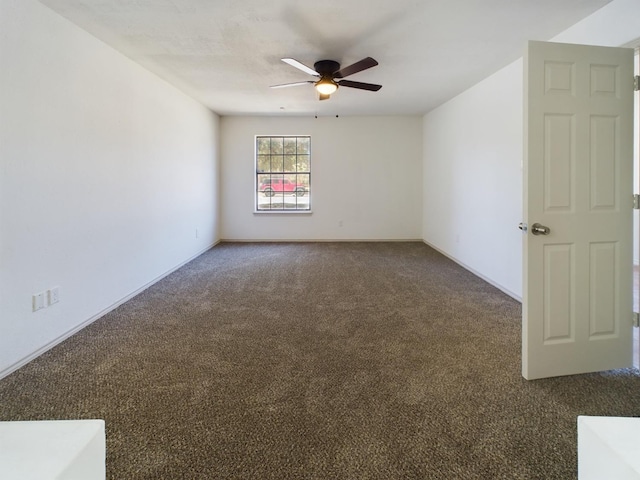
x=326, y=87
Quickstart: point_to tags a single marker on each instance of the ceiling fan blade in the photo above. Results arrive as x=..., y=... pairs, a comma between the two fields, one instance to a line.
x=362, y=86
x=356, y=67
x=300, y=66
x=323, y=96
x=295, y=84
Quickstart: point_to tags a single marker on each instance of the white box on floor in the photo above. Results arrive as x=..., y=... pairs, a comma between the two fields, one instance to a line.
x=608, y=447
x=56, y=450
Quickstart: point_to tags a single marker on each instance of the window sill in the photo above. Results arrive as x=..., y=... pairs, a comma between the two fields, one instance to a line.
x=282, y=212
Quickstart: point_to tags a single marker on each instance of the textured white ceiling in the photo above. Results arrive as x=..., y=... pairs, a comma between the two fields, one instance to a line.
x=226, y=53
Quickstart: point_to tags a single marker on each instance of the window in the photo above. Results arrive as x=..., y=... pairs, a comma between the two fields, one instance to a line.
x=283, y=173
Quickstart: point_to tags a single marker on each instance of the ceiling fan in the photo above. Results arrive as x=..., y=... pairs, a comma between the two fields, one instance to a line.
x=328, y=71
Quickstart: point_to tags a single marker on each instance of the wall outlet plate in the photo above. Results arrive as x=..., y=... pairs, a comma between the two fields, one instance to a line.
x=37, y=301
x=54, y=295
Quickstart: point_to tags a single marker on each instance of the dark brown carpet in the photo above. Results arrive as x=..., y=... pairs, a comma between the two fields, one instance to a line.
x=317, y=361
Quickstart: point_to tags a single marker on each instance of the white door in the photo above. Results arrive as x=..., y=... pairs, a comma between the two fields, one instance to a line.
x=578, y=169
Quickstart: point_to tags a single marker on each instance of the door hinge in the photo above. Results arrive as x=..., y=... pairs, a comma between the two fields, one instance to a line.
x=636, y=319
x=636, y=83
x=636, y=201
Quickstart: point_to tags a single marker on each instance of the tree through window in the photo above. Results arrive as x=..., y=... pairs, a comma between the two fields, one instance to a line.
x=283, y=173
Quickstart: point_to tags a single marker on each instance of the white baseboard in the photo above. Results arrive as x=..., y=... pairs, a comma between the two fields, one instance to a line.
x=317, y=240
x=12, y=368
x=477, y=274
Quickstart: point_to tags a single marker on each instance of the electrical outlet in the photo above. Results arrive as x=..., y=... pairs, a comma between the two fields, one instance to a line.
x=37, y=301
x=54, y=295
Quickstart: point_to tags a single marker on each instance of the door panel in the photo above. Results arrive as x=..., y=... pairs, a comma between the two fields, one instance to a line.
x=559, y=162
x=559, y=319
x=577, y=296
x=603, y=169
x=602, y=280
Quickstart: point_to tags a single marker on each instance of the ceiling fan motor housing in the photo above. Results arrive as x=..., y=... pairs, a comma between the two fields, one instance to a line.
x=326, y=67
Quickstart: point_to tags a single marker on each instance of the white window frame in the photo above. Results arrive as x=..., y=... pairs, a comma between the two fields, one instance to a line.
x=292, y=191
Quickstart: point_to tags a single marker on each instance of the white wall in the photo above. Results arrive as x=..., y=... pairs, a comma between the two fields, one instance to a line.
x=106, y=173
x=472, y=171
x=473, y=155
x=365, y=173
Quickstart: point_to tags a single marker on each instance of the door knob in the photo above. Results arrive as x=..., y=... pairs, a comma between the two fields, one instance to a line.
x=538, y=229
